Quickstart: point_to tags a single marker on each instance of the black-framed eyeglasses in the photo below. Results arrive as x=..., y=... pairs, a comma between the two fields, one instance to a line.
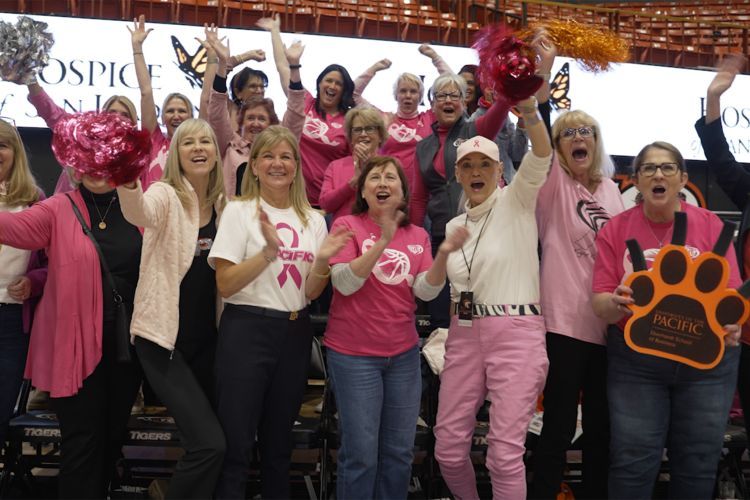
x=570, y=133
x=649, y=169
x=447, y=96
x=368, y=129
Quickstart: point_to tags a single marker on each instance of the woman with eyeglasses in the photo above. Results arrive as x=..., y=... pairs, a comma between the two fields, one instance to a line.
x=366, y=132
x=576, y=202
x=407, y=126
x=655, y=402
x=323, y=138
x=22, y=273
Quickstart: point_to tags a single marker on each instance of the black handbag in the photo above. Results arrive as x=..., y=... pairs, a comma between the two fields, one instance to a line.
x=123, y=311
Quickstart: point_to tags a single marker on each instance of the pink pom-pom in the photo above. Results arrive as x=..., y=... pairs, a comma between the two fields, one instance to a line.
x=102, y=145
x=506, y=63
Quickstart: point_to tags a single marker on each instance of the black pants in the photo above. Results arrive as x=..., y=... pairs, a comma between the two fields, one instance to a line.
x=261, y=373
x=93, y=423
x=575, y=367
x=201, y=436
x=743, y=384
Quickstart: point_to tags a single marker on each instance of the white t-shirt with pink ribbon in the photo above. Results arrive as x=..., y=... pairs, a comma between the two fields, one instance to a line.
x=281, y=285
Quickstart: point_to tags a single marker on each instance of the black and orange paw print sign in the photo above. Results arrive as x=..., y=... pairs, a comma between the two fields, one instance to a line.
x=681, y=304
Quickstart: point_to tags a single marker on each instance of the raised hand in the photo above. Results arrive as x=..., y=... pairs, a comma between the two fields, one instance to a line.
x=390, y=223
x=269, y=23
x=381, y=65
x=726, y=71
x=268, y=230
x=427, y=50
x=733, y=334
x=334, y=242
x=454, y=241
x=139, y=33
x=545, y=49
x=294, y=52
x=255, y=55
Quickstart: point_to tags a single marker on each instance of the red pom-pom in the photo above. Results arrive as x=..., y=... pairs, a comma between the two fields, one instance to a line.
x=103, y=145
x=506, y=63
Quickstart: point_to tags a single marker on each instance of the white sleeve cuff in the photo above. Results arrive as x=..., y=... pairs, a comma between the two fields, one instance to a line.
x=423, y=290
x=344, y=280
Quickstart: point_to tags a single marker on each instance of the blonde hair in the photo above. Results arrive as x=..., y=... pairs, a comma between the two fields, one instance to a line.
x=182, y=97
x=174, y=174
x=408, y=78
x=601, y=163
x=270, y=138
x=370, y=116
x=121, y=99
x=21, y=186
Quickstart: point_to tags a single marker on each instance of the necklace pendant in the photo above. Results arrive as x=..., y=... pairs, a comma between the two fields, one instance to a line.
x=102, y=225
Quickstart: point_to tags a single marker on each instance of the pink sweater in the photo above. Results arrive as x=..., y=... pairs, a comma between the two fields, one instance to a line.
x=336, y=196
x=51, y=113
x=66, y=337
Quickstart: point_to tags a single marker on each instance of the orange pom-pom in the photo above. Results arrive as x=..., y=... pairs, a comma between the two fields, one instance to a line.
x=594, y=48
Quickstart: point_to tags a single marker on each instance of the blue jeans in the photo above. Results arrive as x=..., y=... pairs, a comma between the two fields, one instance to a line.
x=13, y=347
x=378, y=405
x=655, y=402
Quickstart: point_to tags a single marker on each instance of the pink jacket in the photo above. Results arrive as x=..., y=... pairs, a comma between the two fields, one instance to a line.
x=169, y=238
x=234, y=149
x=51, y=113
x=66, y=337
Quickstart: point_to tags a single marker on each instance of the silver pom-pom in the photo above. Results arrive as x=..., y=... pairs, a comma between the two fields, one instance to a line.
x=24, y=49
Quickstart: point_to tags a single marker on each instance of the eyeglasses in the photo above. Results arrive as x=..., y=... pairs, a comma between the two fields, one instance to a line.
x=8, y=120
x=369, y=129
x=256, y=86
x=447, y=96
x=570, y=133
x=649, y=169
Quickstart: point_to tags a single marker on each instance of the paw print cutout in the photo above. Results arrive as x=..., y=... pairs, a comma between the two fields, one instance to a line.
x=681, y=304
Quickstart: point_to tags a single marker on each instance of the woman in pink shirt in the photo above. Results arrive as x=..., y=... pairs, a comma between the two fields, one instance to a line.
x=365, y=131
x=72, y=350
x=371, y=336
x=323, y=138
x=577, y=200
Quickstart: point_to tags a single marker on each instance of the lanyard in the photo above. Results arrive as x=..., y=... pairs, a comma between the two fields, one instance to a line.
x=469, y=265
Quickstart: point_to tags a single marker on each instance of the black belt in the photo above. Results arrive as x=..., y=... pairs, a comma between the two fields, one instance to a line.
x=8, y=304
x=481, y=310
x=273, y=313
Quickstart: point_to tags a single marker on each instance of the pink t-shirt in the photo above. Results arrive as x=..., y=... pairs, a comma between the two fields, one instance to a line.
x=568, y=217
x=159, y=152
x=613, y=263
x=378, y=319
x=322, y=141
x=336, y=195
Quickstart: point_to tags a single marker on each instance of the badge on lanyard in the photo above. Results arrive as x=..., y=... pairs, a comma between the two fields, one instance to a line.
x=466, y=309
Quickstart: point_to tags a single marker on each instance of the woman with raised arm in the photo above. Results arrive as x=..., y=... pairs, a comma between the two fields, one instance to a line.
x=22, y=272
x=175, y=313
x=657, y=403
x=323, y=139
x=73, y=343
x=175, y=109
x=577, y=200
x=271, y=257
x=495, y=347
x=374, y=366
x=407, y=126
x=366, y=132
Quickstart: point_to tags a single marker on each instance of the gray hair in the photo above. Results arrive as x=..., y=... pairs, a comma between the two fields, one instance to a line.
x=446, y=80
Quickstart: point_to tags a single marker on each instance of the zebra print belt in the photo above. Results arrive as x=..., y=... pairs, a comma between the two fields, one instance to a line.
x=481, y=310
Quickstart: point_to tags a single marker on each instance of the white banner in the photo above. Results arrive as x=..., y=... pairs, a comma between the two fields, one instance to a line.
x=635, y=104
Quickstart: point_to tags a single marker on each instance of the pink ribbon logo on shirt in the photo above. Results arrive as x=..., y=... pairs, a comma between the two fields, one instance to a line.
x=289, y=269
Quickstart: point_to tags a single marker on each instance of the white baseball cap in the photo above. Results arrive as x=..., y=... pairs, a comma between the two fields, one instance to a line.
x=478, y=144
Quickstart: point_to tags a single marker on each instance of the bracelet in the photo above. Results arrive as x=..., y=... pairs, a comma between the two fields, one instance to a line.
x=531, y=120
x=266, y=257
x=212, y=60
x=137, y=53
x=326, y=275
x=295, y=66
x=544, y=75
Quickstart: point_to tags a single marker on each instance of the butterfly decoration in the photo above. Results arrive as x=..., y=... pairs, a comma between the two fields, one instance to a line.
x=194, y=66
x=559, y=87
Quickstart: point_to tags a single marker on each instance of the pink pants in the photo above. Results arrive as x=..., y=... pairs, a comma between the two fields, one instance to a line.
x=505, y=357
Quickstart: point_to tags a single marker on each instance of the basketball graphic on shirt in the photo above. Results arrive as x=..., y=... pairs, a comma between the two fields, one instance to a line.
x=393, y=266
x=317, y=129
x=402, y=133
